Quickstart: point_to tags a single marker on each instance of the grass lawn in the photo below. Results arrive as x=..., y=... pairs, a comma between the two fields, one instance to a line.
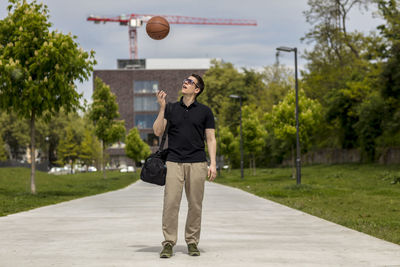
x=361, y=197
x=15, y=193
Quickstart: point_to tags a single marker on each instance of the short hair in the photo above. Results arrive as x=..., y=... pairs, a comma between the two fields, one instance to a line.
x=200, y=83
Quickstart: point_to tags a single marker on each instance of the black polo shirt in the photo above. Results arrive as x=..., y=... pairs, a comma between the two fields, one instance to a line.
x=186, y=133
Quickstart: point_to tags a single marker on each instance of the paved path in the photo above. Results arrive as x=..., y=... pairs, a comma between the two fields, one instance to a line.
x=123, y=228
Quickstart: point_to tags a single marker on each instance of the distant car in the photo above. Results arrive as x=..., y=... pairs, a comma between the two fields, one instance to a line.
x=54, y=170
x=127, y=169
x=92, y=169
x=79, y=169
x=59, y=170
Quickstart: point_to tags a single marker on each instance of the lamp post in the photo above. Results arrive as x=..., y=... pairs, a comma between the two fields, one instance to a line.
x=241, y=135
x=48, y=151
x=298, y=158
x=218, y=156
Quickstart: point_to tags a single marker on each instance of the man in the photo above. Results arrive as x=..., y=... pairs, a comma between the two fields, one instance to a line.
x=189, y=124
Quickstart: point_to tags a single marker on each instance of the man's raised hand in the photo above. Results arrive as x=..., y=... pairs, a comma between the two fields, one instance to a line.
x=161, y=96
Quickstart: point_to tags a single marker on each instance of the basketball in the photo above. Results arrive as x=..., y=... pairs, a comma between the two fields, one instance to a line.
x=157, y=28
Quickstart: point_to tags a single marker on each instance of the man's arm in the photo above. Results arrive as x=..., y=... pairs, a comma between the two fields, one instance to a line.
x=160, y=122
x=212, y=150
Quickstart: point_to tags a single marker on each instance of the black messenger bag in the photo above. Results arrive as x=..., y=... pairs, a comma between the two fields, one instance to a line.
x=154, y=169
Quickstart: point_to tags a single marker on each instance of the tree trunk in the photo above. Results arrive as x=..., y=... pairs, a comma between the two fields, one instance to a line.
x=33, y=160
x=71, y=163
x=103, y=167
x=254, y=164
x=293, y=164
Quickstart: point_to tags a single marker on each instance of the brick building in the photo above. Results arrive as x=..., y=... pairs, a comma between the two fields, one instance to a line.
x=135, y=83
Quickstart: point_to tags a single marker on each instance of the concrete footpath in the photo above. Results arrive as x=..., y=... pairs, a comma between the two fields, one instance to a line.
x=123, y=228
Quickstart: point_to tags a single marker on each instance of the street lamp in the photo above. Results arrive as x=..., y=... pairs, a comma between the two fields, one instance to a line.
x=241, y=135
x=218, y=156
x=298, y=162
x=48, y=151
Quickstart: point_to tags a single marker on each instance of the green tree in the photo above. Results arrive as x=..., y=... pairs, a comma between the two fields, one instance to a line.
x=15, y=133
x=227, y=144
x=329, y=20
x=56, y=127
x=335, y=56
x=340, y=72
x=221, y=80
x=38, y=66
x=279, y=80
x=369, y=126
x=253, y=135
x=135, y=147
x=282, y=121
x=253, y=87
x=104, y=114
x=90, y=148
x=69, y=148
x=342, y=111
x=390, y=76
x=3, y=152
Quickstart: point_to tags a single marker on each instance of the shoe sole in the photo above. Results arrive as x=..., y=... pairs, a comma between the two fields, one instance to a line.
x=165, y=256
x=194, y=254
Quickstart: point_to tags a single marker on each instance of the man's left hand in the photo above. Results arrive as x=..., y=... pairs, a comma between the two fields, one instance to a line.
x=212, y=172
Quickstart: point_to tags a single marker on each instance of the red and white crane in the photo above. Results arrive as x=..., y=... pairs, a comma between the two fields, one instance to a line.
x=134, y=21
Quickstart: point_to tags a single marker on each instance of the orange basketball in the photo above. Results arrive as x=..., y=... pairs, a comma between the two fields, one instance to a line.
x=157, y=28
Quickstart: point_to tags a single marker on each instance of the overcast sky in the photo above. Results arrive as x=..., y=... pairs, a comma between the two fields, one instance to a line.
x=279, y=23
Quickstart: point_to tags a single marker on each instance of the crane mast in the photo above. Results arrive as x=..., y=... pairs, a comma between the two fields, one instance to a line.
x=135, y=21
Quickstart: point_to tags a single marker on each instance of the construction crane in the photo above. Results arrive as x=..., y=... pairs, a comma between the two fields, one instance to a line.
x=135, y=21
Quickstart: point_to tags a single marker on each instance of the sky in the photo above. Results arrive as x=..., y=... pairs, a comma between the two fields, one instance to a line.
x=280, y=23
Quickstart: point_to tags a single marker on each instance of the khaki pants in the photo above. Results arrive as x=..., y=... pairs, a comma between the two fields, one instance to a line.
x=193, y=176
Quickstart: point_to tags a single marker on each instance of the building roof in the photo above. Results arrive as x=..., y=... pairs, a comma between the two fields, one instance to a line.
x=177, y=63
x=165, y=63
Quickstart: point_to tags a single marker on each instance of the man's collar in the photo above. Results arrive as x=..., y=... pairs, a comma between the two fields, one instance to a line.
x=183, y=104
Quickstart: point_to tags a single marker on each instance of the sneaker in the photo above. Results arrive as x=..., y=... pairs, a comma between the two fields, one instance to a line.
x=193, y=250
x=167, y=251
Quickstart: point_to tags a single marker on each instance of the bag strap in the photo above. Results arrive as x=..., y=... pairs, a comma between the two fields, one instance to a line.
x=165, y=132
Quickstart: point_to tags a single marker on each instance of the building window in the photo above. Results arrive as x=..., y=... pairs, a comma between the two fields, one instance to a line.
x=150, y=138
x=145, y=103
x=145, y=87
x=145, y=121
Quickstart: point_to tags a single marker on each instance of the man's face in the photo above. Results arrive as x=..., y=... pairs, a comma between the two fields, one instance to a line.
x=190, y=86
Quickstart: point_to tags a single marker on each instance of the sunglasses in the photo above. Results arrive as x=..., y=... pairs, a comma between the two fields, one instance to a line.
x=190, y=81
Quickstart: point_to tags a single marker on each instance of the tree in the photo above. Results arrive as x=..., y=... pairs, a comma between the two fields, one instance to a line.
x=56, y=127
x=90, y=148
x=227, y=144
x=330, y=17
x=253, y=135
x=3, y=153
x=390, y=76
x=38, y=66
x=338, y=55
x=342, y=69
x=279, y=80
x=342, y=109
x=221, y=80
x=15, y=133
x=369, y=126
x=282, y=122
x=104, y=114
x=69, y=148
x=135, y=147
